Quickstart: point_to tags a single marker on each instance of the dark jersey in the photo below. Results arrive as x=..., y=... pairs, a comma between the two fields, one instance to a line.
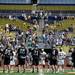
x=53, y=54
x=22, y=52
x=73, y=56
x=35, y=54
x=7, y=53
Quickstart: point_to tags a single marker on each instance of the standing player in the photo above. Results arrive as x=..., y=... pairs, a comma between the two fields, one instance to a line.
x=53, y=59
x=35, y=57
x=73, y=57
x=61, y=58
x=21, y=55
x=42, y=58
x=69, y=58
x=14, y=59
x=7, y=53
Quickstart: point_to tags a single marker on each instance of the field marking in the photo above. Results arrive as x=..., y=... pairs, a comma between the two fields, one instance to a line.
x=70, y=73
x=41, y=72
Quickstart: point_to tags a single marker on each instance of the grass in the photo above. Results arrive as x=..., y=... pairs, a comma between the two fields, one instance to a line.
x=29, y=73
x=39, y=73
x=39, y=7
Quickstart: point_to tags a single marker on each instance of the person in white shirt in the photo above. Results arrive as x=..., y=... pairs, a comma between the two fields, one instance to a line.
x=61, y=58
x=13, y=61
x=42, y=59
x=69, y=59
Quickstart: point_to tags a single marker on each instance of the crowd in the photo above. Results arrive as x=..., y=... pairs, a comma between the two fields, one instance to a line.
x=42, y=20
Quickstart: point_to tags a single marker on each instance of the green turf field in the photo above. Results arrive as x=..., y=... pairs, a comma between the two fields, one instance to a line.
x=39, y=73
x=29, y=73
x=39, y=7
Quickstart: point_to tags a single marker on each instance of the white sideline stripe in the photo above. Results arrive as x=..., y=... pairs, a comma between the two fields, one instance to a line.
x=41, y=72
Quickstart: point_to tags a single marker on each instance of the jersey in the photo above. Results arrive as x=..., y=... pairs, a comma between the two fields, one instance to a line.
x=69, y=59
x=35, y=54
x=22, y=52
x=54, y=54
x=69, y=56
x=42, y=55
x=42, y=58
x=61, y=55
x=8, y=53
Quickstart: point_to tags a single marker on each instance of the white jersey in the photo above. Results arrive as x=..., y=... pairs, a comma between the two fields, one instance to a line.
x=69, y=56
x=69, y=59
x=42, y=58
x=61, y=55
x=12, y=62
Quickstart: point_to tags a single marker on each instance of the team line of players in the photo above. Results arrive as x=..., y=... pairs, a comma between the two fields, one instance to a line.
x=55, y=59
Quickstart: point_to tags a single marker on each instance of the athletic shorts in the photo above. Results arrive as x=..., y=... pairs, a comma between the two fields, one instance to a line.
x=42, y=62
x=60, y=62
x=21, y=61
x=6, y=61
x=12, y=62
x=35, y=62
x=53, y=62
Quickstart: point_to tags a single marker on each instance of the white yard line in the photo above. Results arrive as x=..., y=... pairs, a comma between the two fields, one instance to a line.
x=41, y=72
